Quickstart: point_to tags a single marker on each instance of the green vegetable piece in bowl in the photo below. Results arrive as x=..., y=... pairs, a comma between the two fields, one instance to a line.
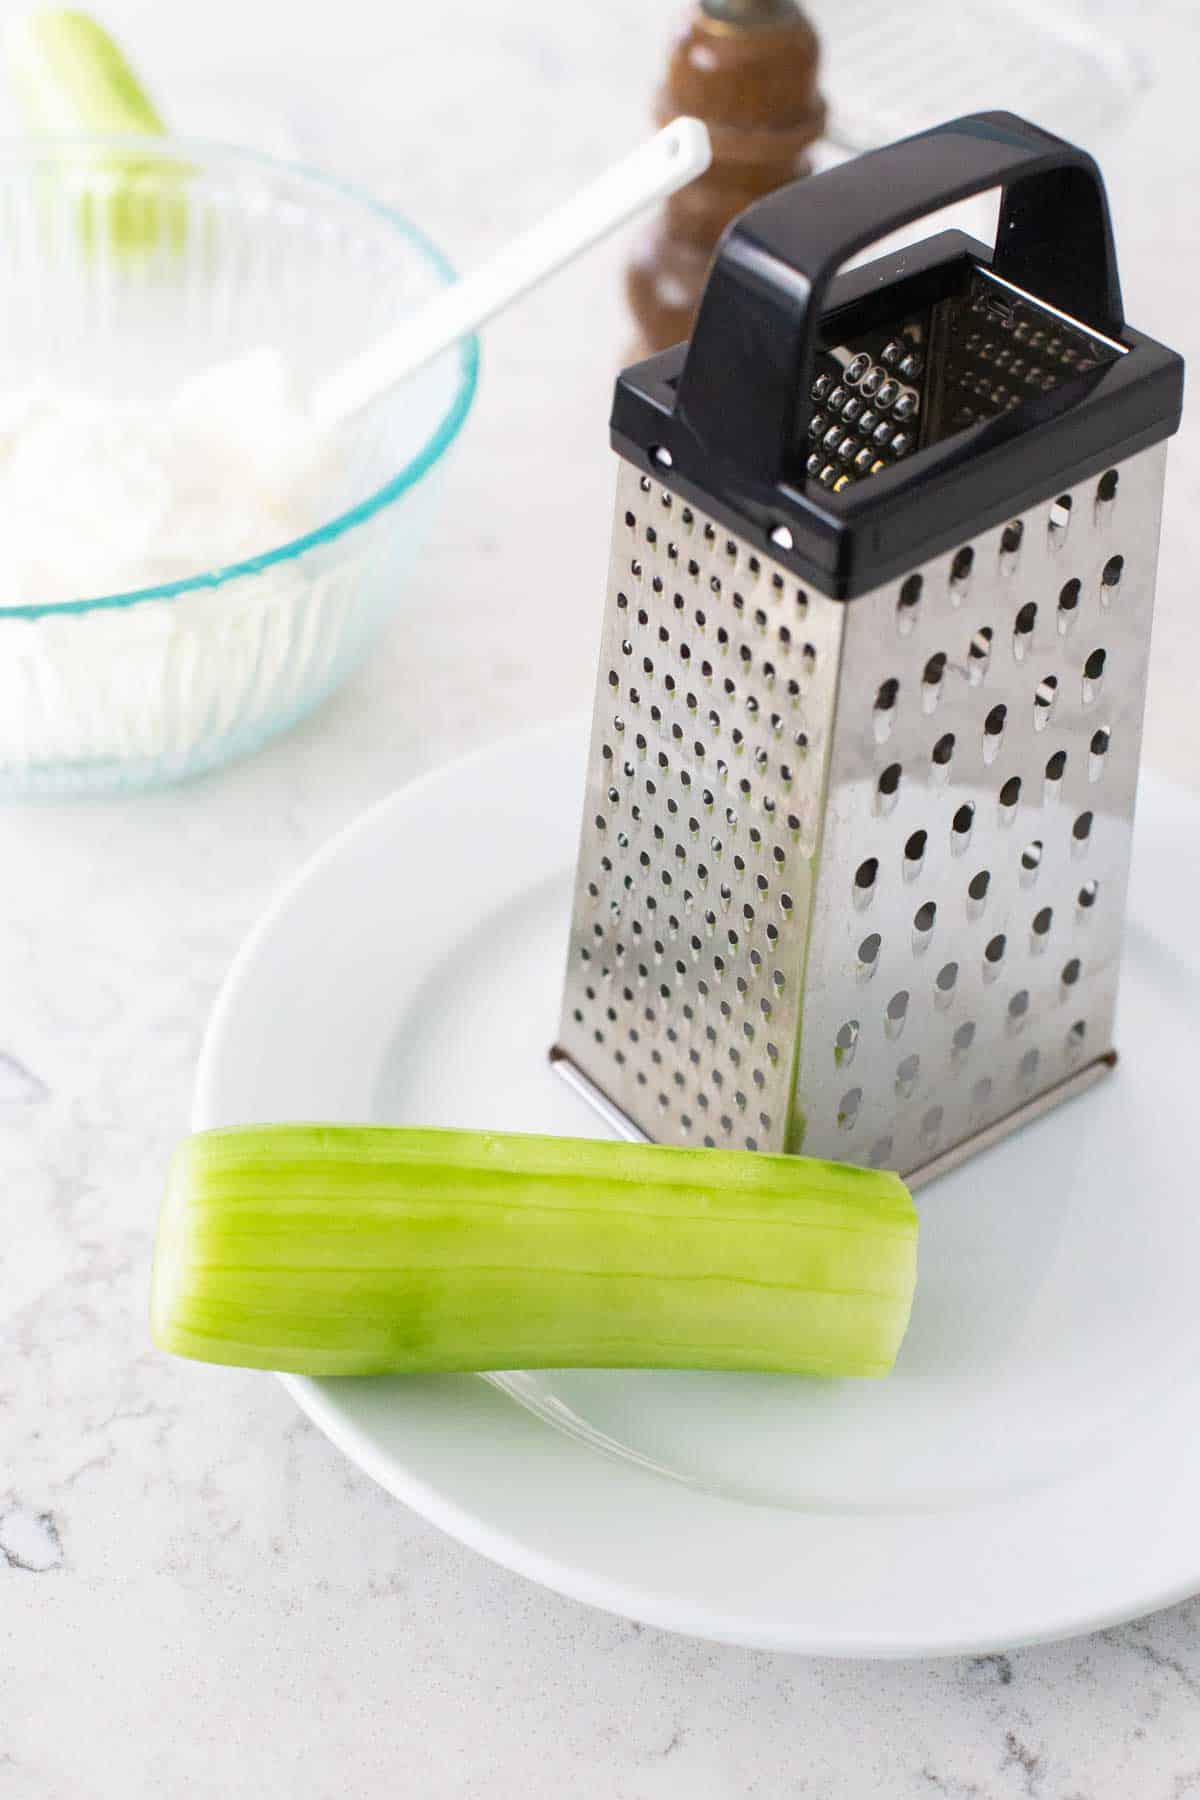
x=346, y=1250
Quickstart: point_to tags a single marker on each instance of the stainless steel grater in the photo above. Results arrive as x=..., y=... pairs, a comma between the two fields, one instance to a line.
x=865, y=745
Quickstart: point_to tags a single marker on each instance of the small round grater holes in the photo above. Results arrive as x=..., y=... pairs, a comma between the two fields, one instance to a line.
x=1010, y=544
x=964, y=1037
x=846, y=1043
x=778, y=855
x=914, y=854
x=943, y=752
x=960, y=827
x=865, y=878
x=931, y=1124
x=979, y=653
x=1110, y=579
x=907, y=605
x=1018, y=1010
x=1044, y=696
x=779, y=979
x=931, y=681
x=786, y=903
x=993, y=731
x=1093, y=675
x=1071, y=972
x=1023, y=626
x=981, y=1093
x=868, y=955
x=630, y=520
x=758, y=1078
x=1058, y=521
x=693, y=568
x=848, y=1105
x=1010, y=794
x=1076, y=1036
x=885, y=708
x=896, y=1013
x=887, y=790
x=1081, y=830
x=635, y=569
x=907, y=1072
x=1106, y=487
x=808, y=658
x=960, y=573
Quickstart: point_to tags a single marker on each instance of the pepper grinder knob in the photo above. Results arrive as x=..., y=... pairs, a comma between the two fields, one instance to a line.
x=748, y=68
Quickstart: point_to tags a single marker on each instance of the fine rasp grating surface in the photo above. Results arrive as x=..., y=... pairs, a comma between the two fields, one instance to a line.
x=852, y=874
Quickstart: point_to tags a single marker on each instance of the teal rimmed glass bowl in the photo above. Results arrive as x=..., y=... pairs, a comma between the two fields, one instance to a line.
x=131, y=264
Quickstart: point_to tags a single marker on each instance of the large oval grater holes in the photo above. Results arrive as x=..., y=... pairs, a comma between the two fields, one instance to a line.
x=868, y=955
x=885, y=708
x=1068, y=605
x=1044, y=696
x=1110, y=579
x=993, y=731
x=896, y=1013
x=1031, y=860
x=1056, y=768
x=979, y=652
x=942, y=755
x=1093, y=675
x=960, y=827
x=887, y=788
x=914, y=854
x=866, y=877
x=947, y=978
x=1027, y=1068
x=1042, y=921
x=907, y=1071
x=1071, y=972
x=1010, y=545
x=848, y=1107
x=1097, y=751
x=931, y=1124
x=1059, y=520
x=1010, y=795
x=907, y=605
x=960, y=572
x=964, y=1037
x=993, y=954
x=931, y=681
x=924, y=920
x=1076, y=1036
x=1023, y=626
x=977, y=887
x=1106, y=487
x=981, y=1093
x=1018, y=1010
x=1081, y=830
x=846, y=1043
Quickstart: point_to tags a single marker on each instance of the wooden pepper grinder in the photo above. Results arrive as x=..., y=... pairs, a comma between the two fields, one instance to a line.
x=748, y=68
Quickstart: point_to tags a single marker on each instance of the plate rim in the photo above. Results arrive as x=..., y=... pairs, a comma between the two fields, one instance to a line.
x=471, y=1526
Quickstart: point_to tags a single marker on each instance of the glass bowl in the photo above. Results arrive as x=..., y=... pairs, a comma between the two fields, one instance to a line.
x=131, y=265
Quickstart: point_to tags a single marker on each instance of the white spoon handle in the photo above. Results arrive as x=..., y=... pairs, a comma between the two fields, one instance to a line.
x=672, y=158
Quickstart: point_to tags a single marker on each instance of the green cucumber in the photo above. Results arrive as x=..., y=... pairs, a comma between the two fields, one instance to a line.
x=347, y=1250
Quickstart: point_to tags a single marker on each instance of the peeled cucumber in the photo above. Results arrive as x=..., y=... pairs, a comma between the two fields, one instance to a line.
x=69, y=77
x=346, y=1250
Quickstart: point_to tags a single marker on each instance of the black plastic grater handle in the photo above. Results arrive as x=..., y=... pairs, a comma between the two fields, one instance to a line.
x=743, y=394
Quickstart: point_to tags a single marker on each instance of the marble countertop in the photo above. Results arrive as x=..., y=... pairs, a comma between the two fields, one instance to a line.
x=198, y=1595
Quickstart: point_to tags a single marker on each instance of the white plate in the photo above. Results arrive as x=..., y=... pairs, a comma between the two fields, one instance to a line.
x=1032, y=1467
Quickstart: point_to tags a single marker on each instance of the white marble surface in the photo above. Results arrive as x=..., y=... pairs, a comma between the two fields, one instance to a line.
x=198, y=1596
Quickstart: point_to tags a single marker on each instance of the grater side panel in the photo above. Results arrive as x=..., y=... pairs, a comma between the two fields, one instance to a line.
x=702, y=818
x=967, y=924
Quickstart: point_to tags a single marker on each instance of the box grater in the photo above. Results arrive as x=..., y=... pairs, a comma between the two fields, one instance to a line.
x=866, y=734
